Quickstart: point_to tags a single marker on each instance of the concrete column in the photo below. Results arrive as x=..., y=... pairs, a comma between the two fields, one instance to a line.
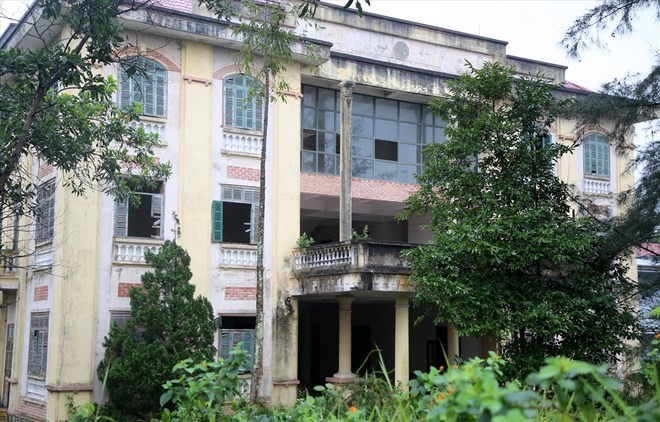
x=401, y=342
x=452, y=343
x=344, y=374
x=345, y=167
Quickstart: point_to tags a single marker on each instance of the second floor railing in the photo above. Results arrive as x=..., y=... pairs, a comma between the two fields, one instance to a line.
x=131, y=250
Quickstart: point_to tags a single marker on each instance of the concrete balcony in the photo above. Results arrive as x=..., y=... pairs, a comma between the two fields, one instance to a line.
x=131, y=250
x=8, y=276
x=596, y=186
x=351, y=266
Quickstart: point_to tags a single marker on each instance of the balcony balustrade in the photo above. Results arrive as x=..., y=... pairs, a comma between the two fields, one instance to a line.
x=131, y=250
x=247, y=144
x=598, y=187
x=238, y=256
x=354, y=265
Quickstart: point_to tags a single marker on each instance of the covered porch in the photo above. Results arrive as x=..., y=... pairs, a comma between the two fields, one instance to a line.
x=355, y=297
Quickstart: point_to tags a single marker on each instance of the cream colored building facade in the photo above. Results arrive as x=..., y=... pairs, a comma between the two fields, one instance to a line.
x=325, y=309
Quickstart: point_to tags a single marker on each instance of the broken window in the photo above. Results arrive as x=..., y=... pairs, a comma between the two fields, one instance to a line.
x=141, y=219
x=234, y=217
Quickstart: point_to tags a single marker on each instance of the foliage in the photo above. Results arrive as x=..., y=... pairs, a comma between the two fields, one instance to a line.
x=305, y=241
x=168, y=324
x=507, y=259
x=201, y=391
x=561, y=390
x=56, y=107
x=361, y=236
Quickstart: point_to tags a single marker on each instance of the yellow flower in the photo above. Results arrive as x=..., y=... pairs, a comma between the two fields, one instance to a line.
x=451, y=391
x=352, y=409
x=657, y=336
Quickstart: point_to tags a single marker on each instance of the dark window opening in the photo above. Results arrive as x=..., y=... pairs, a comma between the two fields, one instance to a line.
x=386, y=150
x=236, y=225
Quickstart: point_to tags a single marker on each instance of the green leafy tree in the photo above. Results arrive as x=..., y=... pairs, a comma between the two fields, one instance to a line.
x=507, y=259
x=168, y=324
x=56, y=107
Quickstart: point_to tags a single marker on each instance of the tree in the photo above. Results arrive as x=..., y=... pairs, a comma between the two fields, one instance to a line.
x=56, y=108
x=507, y=259
x=628, y=100
x=168, y=324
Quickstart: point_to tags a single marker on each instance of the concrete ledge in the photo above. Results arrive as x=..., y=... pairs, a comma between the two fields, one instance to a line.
x=69, y=388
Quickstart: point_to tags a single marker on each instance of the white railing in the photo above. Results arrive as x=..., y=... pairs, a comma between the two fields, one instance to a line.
x=132, y=251
x=152, y=127
x=242, y=143
x=36, y=389
x=237, y=257
x=324, y=257
x=600, y=187
x=8, y=264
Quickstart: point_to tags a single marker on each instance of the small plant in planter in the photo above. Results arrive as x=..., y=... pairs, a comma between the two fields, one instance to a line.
x=304, y=242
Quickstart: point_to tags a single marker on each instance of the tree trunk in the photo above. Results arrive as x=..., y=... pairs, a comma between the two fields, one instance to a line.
x=257, y=370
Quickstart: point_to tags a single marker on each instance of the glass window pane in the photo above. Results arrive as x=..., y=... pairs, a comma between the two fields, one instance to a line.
x=309, y=117
x=364, y=126
x=386, y=109
x=409, y=154
x=409, y=112
x=309, y=96
x=428, y=134
x=326, y=99
x=407, y=173
x=363, y=147
x=309, y=162
x=327, y=163
x=363, y=168
x=309, y=139
x=386, y=150
x=329, y=143
x=408, y=133
x=363, y=105
x=386, y=129
x=327, y=120
x=439, y=135
x=386, y=171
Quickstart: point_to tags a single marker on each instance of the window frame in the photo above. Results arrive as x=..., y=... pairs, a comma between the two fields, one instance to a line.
x=232, y=336
x=235, y=91
x=122, y=213
x=44, y=211
x=593, y=144
x=37, y=362
x=151, y=77
x=239, y=195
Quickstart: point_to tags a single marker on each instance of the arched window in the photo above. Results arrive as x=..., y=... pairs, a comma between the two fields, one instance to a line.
x=143, y=81
x=596, y=149
x=241, y=112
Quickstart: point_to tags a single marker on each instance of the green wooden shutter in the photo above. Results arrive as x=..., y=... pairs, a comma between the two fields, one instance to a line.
x=239, y=106
x=160, y=92
x=229, y=104
x=121, y=218
x=225, y=344
x=125, y=89
x=248, y=345
x=259, y=115
x=216, y=221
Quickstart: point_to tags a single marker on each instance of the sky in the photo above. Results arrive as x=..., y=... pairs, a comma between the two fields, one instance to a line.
x=533, y=29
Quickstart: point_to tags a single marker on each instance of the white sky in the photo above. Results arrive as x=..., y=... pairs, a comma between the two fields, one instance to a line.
x=533, y=29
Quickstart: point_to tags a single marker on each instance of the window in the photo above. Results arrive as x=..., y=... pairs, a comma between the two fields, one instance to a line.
x=38, y=353
x=143, y=81
x=120, y=318
x=596, y=155
x=388, y=135
x=237, y=329
x=142, y=219
x=45, y=211
x=241, y=112
x=234, y=218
